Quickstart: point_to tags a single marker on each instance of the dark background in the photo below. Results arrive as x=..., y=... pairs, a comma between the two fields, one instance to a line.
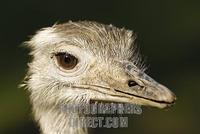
x=168, y=35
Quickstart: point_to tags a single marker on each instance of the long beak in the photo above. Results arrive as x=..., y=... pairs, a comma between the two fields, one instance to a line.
x=137, y=88
x=146, y=91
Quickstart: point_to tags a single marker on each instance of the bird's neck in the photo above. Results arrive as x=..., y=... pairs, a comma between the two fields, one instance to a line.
x=56, y=121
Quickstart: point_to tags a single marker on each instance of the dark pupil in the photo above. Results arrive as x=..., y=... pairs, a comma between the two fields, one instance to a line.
x=68, y=58
x=66, y=61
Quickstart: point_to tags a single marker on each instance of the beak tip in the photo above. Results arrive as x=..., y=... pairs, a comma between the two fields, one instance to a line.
x=172, y=100
x=173, y=97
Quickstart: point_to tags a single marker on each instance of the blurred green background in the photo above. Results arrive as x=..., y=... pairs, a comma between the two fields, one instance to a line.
x=168, y=35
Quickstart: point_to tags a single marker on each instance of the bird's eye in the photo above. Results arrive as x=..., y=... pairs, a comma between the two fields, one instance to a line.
x=66, y=61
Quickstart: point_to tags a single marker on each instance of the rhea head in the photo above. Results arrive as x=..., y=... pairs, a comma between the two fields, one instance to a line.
x=86, y=61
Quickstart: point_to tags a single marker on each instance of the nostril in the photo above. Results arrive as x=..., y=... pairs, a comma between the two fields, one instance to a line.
x=132, y=83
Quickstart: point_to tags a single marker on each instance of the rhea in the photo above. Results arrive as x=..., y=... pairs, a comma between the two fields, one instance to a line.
x=80, y=62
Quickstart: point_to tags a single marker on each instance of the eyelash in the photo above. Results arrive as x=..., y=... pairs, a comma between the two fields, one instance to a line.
x=59, y=52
